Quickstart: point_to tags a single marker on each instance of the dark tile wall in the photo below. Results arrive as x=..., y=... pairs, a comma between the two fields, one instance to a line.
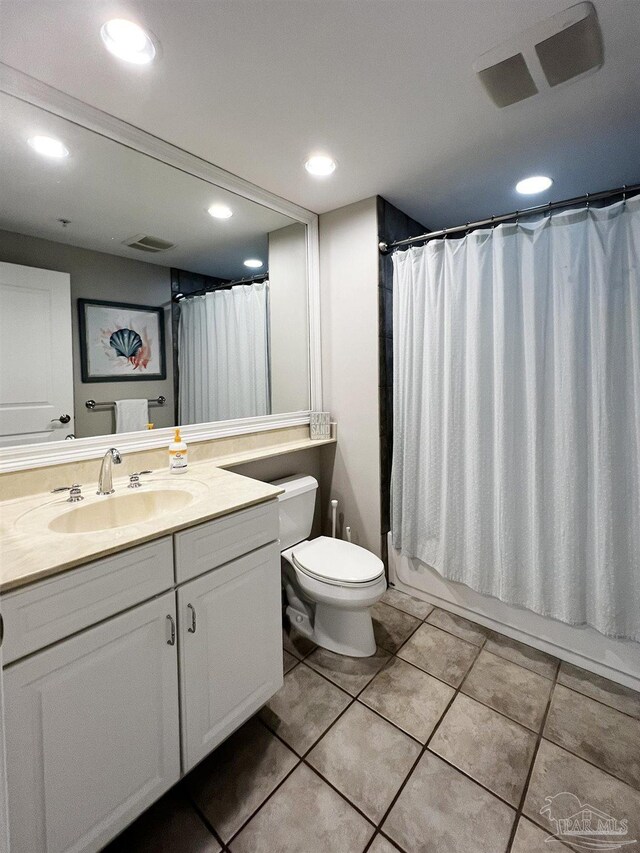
x=393, y=224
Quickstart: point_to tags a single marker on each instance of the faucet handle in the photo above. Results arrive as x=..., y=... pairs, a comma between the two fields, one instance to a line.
x=134, y=479
x=75, y=493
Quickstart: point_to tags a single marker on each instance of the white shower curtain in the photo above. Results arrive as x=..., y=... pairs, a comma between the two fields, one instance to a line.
x=223, y=355
x=516, y=459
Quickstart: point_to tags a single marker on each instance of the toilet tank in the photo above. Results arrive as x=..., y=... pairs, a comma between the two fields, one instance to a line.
x=297, y=506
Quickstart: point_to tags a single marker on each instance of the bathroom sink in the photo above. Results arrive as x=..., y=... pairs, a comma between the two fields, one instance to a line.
x=121, y=510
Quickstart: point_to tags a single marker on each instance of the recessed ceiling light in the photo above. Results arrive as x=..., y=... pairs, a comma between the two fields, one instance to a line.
x=220, y=211
x=533, y=185
x=48, y=147
x=128, y=41
x=253, y=263
x=320, y=165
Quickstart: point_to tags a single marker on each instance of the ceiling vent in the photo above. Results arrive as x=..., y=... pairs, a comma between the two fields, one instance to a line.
x=148, y=244
x=565, y=47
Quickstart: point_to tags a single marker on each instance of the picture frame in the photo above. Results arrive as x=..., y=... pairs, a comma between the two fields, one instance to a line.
x=121, y=341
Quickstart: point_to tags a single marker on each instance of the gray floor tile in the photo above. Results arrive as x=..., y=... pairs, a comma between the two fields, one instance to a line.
x=365, y=758
x=531, y=839
x=443, y=655
x=391, y=626
x=561, y=783
x=381, y=845
x=352, y=674
x=410, y=698
x=600, y=734
x=296, y=644
x=511, y=689
x=485, y=745
x=454, y=624
x=441, y=811
x=524, y=655
x=303, y=708
x=170, y=824
x=289, y=661
x=238, y=777
x=304, y=815
x=411, y=605
x=616, y=695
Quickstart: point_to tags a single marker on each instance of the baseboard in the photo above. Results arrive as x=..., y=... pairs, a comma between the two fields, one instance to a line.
x=618, y=660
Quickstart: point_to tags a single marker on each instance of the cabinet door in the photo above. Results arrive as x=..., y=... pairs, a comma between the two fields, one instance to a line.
x=92, y=731
x=230, y=648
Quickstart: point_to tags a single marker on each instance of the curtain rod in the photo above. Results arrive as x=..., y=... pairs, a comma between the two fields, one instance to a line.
x=178, y=297
x=623, y=191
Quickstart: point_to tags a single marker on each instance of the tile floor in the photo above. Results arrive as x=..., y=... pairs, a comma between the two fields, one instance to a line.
x=451, y=739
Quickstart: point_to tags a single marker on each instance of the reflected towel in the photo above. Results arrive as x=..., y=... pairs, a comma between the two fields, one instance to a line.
x=131, y=415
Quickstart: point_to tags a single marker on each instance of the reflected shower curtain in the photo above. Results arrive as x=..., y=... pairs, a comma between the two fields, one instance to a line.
x=223, y=355
x=516, y=459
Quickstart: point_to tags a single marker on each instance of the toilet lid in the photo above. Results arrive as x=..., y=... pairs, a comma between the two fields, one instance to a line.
x=337, y=561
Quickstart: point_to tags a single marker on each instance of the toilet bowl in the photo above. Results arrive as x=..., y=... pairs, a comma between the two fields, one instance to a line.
x=330, y=585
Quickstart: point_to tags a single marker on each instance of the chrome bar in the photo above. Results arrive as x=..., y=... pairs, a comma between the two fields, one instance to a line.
x=91, y=404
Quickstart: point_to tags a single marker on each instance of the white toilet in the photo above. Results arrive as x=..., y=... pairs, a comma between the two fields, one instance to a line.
x=330, y=584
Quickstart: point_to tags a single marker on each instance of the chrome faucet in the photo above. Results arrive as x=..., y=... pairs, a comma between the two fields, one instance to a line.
x=105, y=481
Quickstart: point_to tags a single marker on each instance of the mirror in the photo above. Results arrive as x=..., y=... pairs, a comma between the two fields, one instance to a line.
x=118, y=284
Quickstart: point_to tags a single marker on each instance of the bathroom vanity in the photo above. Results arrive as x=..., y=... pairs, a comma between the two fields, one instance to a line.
x=131, y=652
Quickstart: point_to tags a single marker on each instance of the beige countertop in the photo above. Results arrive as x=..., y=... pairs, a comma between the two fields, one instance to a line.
x=30, y=550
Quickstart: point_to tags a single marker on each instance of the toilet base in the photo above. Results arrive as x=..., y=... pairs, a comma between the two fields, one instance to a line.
x=301, y=622
x=346, y=632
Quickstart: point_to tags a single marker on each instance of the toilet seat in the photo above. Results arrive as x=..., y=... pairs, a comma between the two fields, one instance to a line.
x=336, y=562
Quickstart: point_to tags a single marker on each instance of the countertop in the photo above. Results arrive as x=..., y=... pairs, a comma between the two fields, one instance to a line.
x=30, y=551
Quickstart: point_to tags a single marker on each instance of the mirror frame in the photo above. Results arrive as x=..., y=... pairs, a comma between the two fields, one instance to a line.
x=20, y=457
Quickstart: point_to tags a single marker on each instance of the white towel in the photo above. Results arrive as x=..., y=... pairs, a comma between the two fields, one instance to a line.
x=131, y=415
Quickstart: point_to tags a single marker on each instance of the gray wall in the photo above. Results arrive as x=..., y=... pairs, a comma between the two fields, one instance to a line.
x=289, y=341
x=349, y=293
x=300, y=463
x=96, y=275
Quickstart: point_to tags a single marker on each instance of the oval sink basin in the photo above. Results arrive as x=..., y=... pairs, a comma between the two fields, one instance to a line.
x=121, y=510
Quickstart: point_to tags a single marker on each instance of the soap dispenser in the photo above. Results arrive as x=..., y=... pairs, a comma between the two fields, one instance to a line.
x=177, y=454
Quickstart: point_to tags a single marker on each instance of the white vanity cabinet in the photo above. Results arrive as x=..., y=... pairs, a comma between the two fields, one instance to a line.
x=122, y=674
x=92, y=731
x=230, y=648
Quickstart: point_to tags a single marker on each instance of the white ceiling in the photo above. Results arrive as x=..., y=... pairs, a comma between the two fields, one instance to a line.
x=386, y=86
x=111, y=193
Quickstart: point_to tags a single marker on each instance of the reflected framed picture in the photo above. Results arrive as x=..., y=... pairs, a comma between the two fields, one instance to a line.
x=121, y=342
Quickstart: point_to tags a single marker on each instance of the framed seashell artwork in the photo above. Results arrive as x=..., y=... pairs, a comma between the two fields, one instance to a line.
x=121, y=342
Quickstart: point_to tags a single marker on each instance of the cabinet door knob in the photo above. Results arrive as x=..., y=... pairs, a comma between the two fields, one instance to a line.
x=172, y=631
x=64, y=419
x=192, y=629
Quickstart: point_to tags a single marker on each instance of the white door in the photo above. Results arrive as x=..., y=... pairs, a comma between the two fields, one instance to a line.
x=92, y=731
x=230, y=648
x=36, y=368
